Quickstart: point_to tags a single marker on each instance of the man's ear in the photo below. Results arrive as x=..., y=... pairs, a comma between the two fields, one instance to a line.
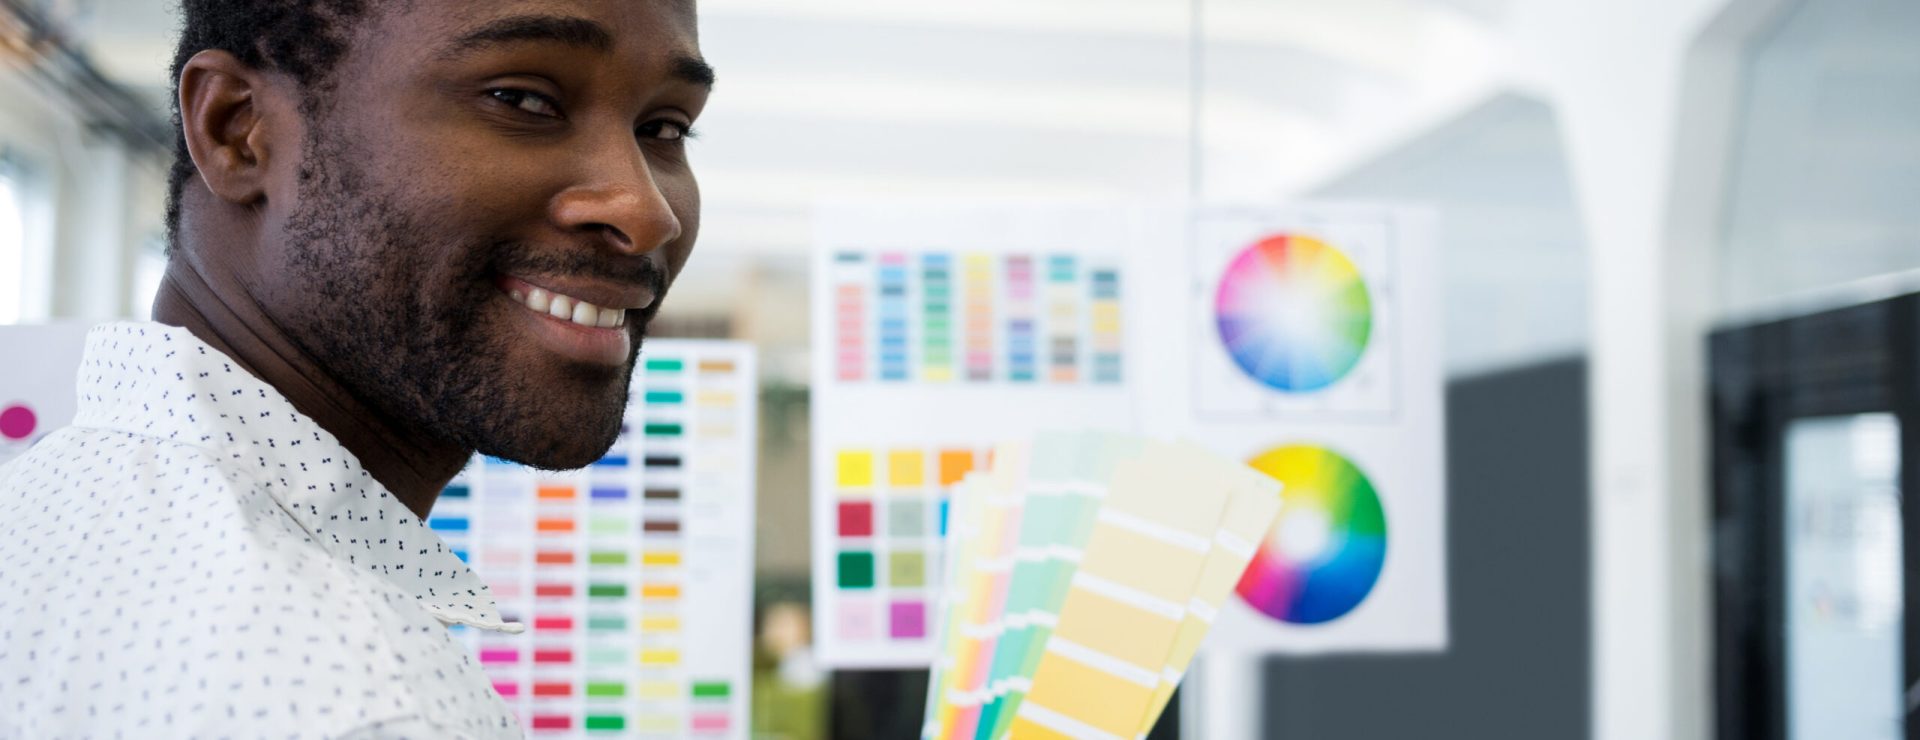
x=225, y=123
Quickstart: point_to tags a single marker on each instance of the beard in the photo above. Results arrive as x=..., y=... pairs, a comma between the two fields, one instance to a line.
x=410, y=322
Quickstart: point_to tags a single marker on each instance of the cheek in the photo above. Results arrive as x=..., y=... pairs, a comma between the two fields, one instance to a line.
x=683, y=196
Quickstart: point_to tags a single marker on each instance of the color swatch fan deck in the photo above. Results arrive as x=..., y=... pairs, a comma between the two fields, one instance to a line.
x=633, y=576
x=1084, y=571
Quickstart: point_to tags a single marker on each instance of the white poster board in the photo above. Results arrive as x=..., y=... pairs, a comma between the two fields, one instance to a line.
x=1304, y=340
x=939, y=330
x=1312, y=350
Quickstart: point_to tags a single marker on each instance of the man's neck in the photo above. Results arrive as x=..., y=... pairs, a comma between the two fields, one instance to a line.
x=413, y=467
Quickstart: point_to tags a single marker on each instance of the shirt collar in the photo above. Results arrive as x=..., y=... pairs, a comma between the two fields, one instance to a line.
x=170, y=385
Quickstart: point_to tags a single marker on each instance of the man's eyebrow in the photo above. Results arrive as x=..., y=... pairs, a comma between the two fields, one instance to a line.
x=694, y=70
x=559, y=29
x=567, y=30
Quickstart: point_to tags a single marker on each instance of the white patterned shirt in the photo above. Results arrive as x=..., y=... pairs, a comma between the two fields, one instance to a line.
x=195, y=558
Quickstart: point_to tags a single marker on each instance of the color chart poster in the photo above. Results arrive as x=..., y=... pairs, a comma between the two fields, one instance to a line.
x=1313, y=353
x=939, y=331
x=37, y=382
x=634, y=576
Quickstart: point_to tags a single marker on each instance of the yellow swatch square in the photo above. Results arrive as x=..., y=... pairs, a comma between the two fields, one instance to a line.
x=906, y=469
x=855, y=469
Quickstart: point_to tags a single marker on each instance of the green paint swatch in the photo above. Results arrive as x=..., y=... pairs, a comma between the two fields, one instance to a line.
x=609, y=688
x=856, y=570
x=607, y=558
x=607, y=525
x=606, y=722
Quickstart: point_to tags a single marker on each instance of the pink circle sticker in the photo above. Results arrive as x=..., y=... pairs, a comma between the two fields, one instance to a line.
x=17, y=421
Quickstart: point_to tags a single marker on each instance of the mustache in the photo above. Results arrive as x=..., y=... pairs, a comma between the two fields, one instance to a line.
x=639, y=269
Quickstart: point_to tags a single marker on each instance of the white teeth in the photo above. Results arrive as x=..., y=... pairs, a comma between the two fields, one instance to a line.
x=569, y=308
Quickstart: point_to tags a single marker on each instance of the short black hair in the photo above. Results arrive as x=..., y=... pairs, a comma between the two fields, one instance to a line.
x=303, y=39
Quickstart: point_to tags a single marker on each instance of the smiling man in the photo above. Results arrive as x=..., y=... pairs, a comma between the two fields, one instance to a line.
x=402, y=232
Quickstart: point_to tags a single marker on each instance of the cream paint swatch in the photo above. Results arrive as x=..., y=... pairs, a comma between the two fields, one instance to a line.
x=1126, y=605
x=1252, y=506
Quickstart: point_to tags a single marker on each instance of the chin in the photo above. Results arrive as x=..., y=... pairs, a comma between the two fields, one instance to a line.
x=566, y=441
x=557, y=457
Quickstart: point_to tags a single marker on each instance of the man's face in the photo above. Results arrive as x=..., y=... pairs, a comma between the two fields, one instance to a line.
x=492, y=199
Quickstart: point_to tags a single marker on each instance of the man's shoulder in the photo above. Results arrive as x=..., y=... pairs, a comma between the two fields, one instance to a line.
x=162, y=570
x=78, y=459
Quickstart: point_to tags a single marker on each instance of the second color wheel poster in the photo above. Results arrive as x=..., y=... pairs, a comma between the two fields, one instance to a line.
x=1326, y=551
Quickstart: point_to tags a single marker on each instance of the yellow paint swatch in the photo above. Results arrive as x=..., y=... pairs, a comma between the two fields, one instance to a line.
x=659, y=657
x=660, y=558
x=855, y=469
x=906, y=468
x=659, y=624
x=657, y=690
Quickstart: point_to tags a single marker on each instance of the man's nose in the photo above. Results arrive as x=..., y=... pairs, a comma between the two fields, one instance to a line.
x=621, y=200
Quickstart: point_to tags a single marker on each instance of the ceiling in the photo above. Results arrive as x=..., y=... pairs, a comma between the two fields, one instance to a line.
x=835, y=99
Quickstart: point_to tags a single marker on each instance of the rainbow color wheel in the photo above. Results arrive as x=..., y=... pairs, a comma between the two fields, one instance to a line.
x=1325, y=551
x=1294, y=313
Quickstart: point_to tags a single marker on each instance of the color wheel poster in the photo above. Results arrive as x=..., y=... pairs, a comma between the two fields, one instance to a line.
x=1313, y=354
x=941, y=330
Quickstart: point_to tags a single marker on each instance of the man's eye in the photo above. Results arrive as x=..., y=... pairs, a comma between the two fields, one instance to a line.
x=531, y=102
x=665, y=130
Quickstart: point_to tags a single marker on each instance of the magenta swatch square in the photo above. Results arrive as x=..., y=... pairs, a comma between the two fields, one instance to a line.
x=909, y=620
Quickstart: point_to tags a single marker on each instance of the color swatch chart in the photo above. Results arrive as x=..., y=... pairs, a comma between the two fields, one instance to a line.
x=977, y=317
x=891, y=507
x=634, y=576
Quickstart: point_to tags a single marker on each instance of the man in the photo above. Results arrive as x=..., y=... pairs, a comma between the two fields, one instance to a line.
x=402, y=232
